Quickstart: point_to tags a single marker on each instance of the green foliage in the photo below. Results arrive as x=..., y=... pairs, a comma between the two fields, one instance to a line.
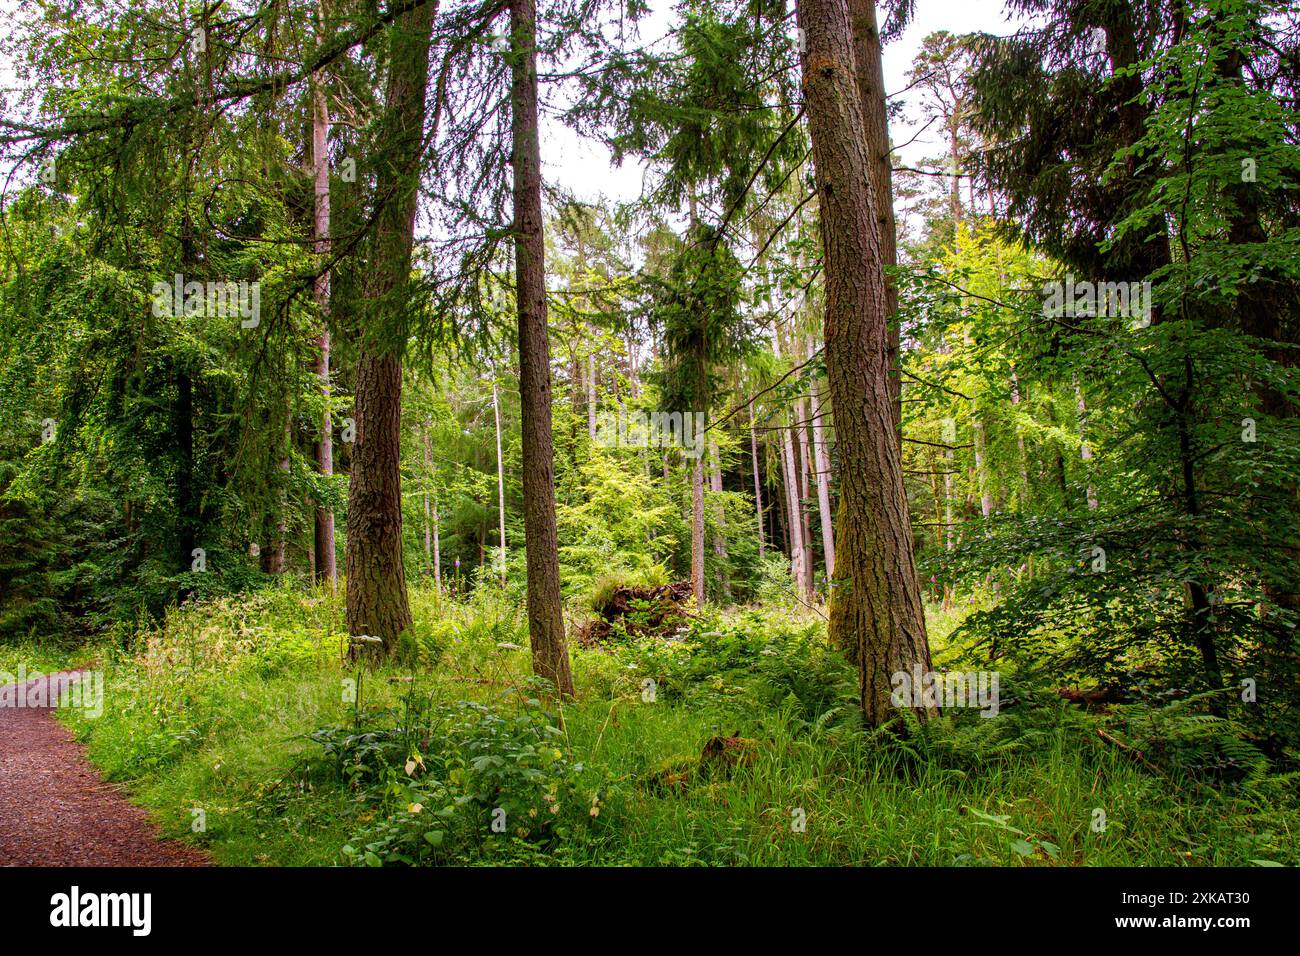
x=472, y=776
x=616, y=524
x=212, y=730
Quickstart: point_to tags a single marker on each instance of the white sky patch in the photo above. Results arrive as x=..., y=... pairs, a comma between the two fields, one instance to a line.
x=583, y=167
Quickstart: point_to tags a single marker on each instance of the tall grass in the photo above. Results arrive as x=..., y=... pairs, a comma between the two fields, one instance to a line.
x=210, y=712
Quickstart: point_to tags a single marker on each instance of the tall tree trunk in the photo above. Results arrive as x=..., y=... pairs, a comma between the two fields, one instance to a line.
x=719, y=516
x=949, y=525
x=823, y=483
x=1200, y=621
x=715, y=486
x=697, y=530
x=758, y=483
x=545, y=611
x=376, y=575
x=376, y=584
x=871, y=87
x=326, y=567
x=188, y=517
x=591, y=396
x=430, y=512
x=805, y=487
x=800, y=559
x=876, y=598
x=793, y=524
x=437, y=556
x=501, y=481
x=954, y=146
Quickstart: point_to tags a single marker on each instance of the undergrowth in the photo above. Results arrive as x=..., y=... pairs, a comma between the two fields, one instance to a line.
x=239, y=725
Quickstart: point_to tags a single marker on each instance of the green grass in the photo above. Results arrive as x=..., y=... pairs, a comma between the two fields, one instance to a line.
x=210, y=713
x=33, y=657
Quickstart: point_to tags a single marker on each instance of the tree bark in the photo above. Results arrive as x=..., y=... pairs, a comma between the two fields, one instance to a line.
x=803, y=458
x=794, y=527
x=823, y=484
x=437, y=556
x=545, y=611
x=876, y=598
x=697, y=530
x=325, y=561
x=430, y=511
x=501, y=481
x=758, y=483
x=376, y=584
x=871, y=87
x=715, y=486
x=591, y=396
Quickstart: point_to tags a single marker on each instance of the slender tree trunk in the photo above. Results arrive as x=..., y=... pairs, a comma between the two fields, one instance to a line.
x=719, y=517
x=376, y=574
x=954, y=146
x=545, y=611
x=715, y=486
x=949, y=529
x=188, y=517
x=805, y=488
x=428, y=536
x=780, y=533
x=823, y=483
x=591, y=396
x=1199, y=619
x=577, y=387
x=326, y=567
x=501, y=481
x=437, y=556
x=876, y=599
x=794, y=526
x=796, y=491
x=428, y=510
x=697, y=530
x=758, y=483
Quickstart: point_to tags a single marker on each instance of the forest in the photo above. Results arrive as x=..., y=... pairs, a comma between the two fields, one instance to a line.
x=725, y=433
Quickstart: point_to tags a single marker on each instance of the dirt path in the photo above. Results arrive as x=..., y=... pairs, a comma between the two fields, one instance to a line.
x=55, y=809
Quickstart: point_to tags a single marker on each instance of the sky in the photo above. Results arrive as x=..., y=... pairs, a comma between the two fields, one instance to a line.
x=583, y=167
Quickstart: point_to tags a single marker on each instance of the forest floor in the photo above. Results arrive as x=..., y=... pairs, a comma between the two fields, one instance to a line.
x=55, y=808
x=737, y=743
